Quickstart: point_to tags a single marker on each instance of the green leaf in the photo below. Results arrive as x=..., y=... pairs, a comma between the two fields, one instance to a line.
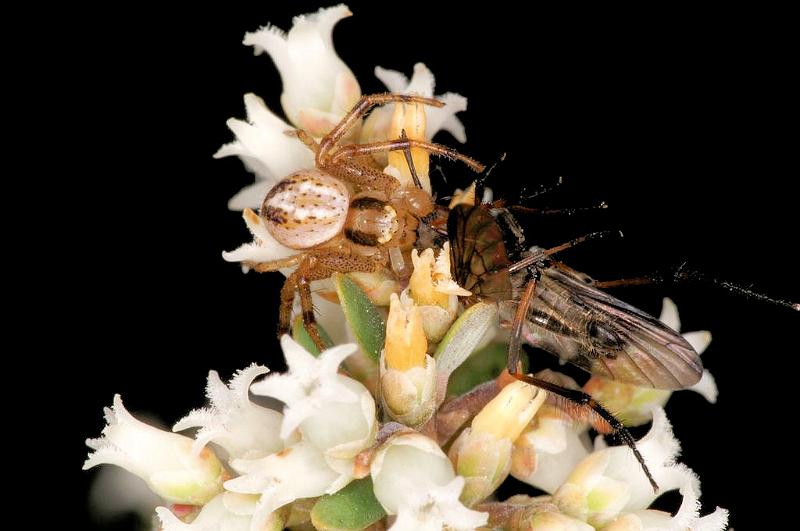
x=364, y=318
x=353, y=507
x=300, y=334
x=465, y=334
x=482, y=366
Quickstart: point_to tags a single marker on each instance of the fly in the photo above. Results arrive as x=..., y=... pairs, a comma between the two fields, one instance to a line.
x=557, y=309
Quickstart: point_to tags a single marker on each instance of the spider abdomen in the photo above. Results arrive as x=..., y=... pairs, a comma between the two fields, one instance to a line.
x=306, y=209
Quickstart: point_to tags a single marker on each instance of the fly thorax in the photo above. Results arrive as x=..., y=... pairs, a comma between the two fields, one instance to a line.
x=306, y=209
x=371, y=221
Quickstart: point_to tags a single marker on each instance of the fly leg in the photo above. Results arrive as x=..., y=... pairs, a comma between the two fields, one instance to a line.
x=579, y=398
x=682, y=274
x=584, y=400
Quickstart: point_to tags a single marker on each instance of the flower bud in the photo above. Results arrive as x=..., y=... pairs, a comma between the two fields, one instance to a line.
x=434, y=291
x=410, y=118
x=482, y=453
x=406, y=345
x=549, y=449
x=408, y=374
x=413, y=479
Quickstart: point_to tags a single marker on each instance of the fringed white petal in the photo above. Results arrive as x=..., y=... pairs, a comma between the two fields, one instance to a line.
x=707, y=387
x=265, y=149
x=299, y=471
x=313, y=75
x=698, y=340
x=163, y=459
x=310, y=383
x=669, y=314
x=242, y=428
x=251, y=196
x=423, y=83
x=264, y=248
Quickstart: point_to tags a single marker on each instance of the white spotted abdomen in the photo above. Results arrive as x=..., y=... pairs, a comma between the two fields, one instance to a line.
x=306, y=209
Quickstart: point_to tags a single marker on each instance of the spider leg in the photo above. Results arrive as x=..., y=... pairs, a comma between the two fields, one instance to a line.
x=410, y=161
x=316, y=265
x=274, y=265
x=357, y=150
x=307, y=308
x=361, y=108
x=305, y=138
x=363, y=176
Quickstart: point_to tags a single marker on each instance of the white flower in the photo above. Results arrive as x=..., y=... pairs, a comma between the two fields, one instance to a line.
x=408, y=457
x=413, y=479
x=310, y=384
x=422, y=83
x=482, y=453
x=549, y=449
x=242, y=428
x=265, y=149
x=333, y=412
x=299, y=471
x=318, y=88
x=610, y=483
x=433, y=507
x=164, y=460
x=263, y=248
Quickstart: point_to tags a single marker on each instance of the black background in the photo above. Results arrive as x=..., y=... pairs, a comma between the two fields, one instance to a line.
x=677, y=120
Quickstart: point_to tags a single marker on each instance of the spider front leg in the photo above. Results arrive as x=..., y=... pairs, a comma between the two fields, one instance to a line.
x=340, y=164
x=358, y=150
x=359, y=110
x=316, y=265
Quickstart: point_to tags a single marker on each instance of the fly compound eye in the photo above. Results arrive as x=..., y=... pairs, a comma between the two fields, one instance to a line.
x=305, y=209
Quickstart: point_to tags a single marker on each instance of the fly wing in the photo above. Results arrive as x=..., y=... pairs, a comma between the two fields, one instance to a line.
x=478, y=256
x=608, y=337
